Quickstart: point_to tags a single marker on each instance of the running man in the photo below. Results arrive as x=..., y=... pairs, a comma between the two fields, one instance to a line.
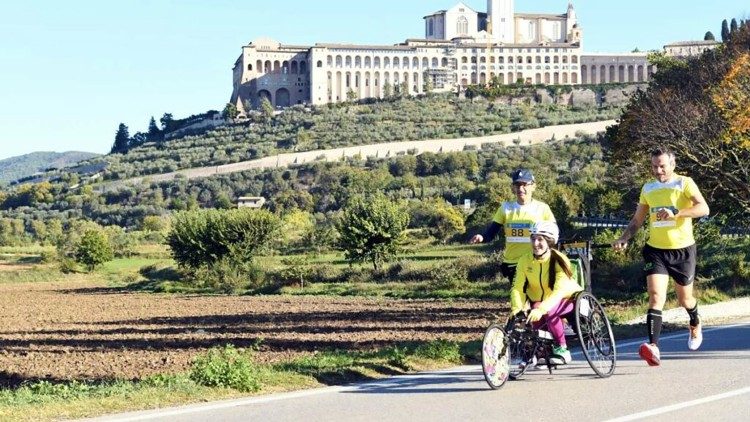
x=670, y=202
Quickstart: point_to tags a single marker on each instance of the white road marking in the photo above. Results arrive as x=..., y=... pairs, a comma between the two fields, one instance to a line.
x=195, y=408
x=678, y=406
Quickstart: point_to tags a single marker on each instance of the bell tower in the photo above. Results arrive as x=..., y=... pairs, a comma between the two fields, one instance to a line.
x=501, y=16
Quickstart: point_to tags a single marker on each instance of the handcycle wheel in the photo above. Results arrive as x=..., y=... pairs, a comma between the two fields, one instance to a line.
x=521, y=349
x=495, y=357
x=595, y=335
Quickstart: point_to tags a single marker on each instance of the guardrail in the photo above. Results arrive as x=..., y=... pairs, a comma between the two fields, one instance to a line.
x=615, y=223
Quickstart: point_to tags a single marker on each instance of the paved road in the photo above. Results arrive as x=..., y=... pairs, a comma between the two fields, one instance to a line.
x=712, y=384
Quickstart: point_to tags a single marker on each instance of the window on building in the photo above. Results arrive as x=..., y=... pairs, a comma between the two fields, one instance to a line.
x=462, y=25
x=430, y=27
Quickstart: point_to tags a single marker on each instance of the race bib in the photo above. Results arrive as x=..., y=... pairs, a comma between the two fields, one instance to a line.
x=655, y=222
x=518, y=233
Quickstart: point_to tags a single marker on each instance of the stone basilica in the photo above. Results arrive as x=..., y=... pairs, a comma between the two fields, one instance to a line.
x=460, y=47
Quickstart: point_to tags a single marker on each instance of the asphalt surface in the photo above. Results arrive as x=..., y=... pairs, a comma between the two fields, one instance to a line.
x=711, y=384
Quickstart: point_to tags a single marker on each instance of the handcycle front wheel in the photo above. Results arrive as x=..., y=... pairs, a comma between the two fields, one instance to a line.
x=495, y=356
x=595, y=335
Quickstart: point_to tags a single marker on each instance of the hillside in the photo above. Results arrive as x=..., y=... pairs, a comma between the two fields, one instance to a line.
x=14, y=168
x=347, y=124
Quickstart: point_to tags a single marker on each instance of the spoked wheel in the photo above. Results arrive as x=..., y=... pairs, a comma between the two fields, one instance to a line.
x=495, y=356
x=595, y=335
x=521, y=349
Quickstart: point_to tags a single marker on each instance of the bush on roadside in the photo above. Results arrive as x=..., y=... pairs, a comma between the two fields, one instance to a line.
x=226, y=367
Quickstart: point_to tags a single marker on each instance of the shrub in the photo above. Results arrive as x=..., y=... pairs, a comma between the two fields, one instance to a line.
x=226, y=367
x=199, y=238
x=227, y=275
x=449, y=276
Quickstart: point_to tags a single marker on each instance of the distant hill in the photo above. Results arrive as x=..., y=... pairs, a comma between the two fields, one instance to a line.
x=14, y=168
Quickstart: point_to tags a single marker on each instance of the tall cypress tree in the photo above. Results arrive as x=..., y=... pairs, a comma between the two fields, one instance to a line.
x=733, y=26
x=154, y=134
x=121, y=140
x=724, y=31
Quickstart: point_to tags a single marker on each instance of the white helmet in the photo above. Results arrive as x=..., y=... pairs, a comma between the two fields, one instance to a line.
x=547, y=229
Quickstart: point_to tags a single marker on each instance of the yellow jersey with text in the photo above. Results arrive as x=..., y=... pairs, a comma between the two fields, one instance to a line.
x=532, y=282
x=517, y=220
x=676, y=194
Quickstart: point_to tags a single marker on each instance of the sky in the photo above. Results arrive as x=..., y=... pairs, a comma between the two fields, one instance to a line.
x=72, y=71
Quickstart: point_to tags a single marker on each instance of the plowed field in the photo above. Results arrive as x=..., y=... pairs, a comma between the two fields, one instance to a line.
x=64, y=331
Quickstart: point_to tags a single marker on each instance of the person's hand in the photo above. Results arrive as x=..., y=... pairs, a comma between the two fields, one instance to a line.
x=619, y=245
x=535, y=315
x=665, y=214
x=477, y=238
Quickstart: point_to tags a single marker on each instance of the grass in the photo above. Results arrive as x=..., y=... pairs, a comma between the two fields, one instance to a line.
x=44, y=400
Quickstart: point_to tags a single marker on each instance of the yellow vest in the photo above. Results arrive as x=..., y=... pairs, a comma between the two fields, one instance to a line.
x=674, y=233
x=517, y=220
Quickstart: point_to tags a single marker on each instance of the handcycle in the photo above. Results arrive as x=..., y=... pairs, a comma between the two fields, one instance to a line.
x=508, y=350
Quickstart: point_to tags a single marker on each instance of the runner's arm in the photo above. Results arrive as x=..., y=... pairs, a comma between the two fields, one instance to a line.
x=697, y=210
x=635, y=223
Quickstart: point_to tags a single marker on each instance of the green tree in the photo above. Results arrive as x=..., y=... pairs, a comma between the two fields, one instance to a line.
x=167, y=123
x=404, y=89
x=297, y=228
x=709, y=36
x=733, y=26
x=93, y=249
x=427, y=87
x=445, y=220
x=702, y=111
x=724, y=31
x=122, y=139
x=387, y=90
x=230, y=111
x=297, y=268
x=351, y=95
x=154, y=133
x=372, y=229
x=266, y=109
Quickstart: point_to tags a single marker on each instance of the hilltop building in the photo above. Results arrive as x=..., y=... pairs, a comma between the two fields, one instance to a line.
x=460, y=47
x=689, y=48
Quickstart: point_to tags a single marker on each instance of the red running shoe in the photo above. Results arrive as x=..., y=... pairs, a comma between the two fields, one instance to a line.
x=650, y=353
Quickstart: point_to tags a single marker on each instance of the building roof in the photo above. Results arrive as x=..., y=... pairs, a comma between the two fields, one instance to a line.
x=540, y=16
x=689, y=43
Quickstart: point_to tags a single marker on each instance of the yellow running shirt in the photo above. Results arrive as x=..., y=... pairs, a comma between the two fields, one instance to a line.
x=516, y=220
x=675, y=194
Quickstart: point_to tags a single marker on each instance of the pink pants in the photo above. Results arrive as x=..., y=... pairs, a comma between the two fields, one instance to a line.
x=553, y=319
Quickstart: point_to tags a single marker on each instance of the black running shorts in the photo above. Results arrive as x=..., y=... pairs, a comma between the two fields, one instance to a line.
x=676, y=263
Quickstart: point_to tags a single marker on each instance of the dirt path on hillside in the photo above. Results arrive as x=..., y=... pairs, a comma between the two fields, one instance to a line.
x=63, y=331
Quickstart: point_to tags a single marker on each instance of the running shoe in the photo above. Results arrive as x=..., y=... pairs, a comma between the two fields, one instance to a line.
x=650, y=353
x=696, y=337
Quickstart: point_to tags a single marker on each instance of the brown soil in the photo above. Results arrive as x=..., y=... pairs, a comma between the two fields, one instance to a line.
x=63, y=331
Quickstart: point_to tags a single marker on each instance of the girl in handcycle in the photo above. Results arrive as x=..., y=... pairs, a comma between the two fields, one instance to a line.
x=544, y=278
